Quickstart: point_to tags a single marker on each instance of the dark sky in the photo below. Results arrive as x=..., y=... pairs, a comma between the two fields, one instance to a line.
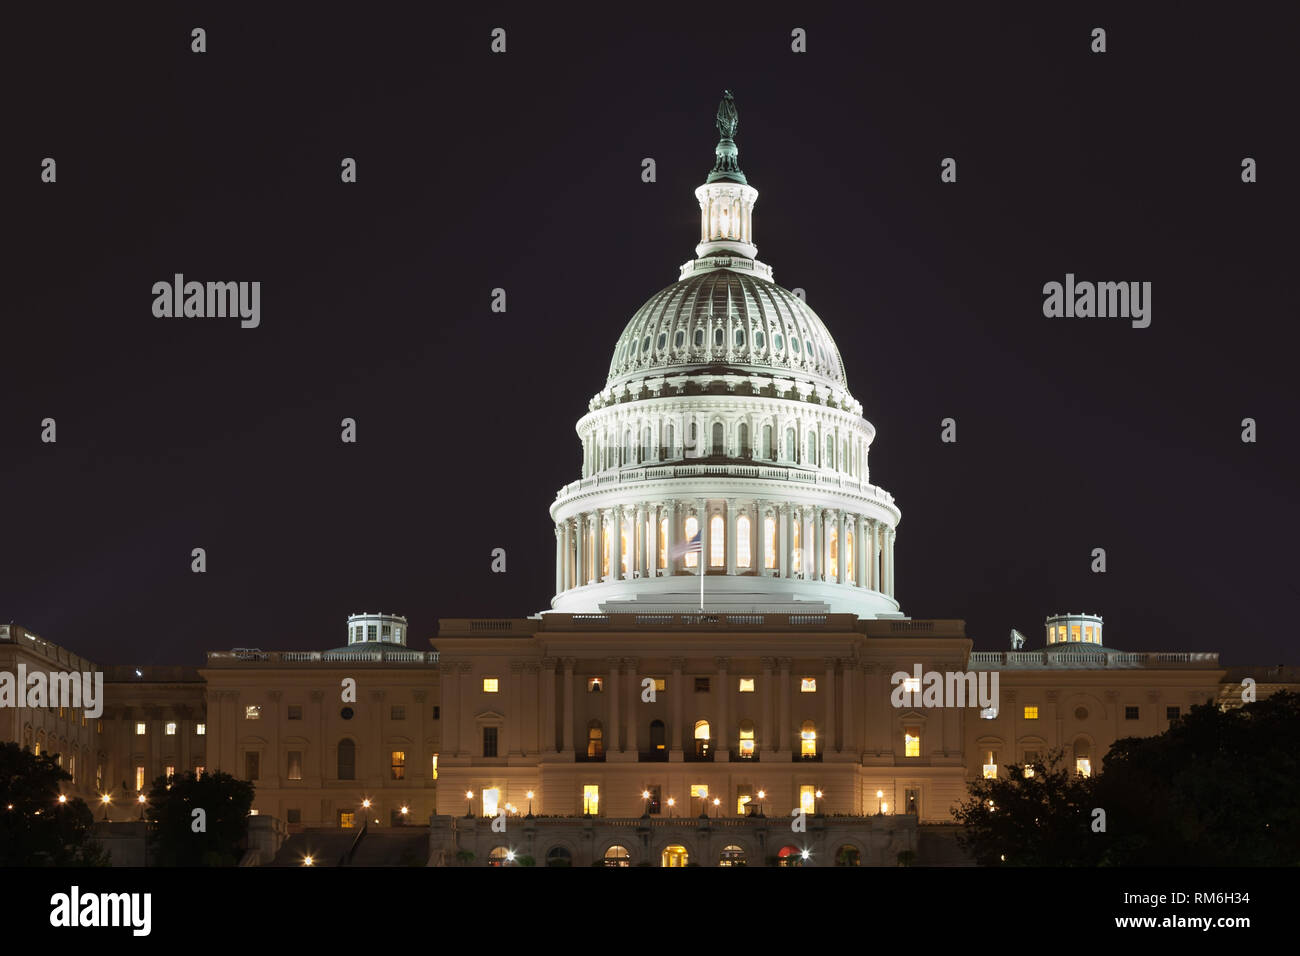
x=522, y=171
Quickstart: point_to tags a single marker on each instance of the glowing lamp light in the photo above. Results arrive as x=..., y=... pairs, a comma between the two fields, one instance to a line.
x=805, y=854
x=405, y=810
x=140, y=799
x=105, y=799
x=510, y=855
x=366, y=803
x=879, y=794
x=884, y=808
x=469, y=795
x=645, y=794
x=308, y=860
x=818, y=794
x=762, y=794
x=62, y=799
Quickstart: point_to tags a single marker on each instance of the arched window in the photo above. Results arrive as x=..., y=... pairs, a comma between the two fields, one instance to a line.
x=808, y=740
x=719, y=337
x=742, y=541
x=657, y=736
x=1082, y=757
x=347, y=759
x=675, y=855
x=746, y=748
x=692, y=529
x=758, y=340
x=559, y=856
x=595, y=740
x=618, y=856
x=789, y=444
x=717, y=448
x=731, y=856
x=740, y=338
x=742, y=439
x=833, y=572
x=679, y=338
x=769, y=543
x=702, y=739
x=812, y=449
x=645, y=445
x=830, y=452
x=605, y=544
x=672, y=445
x=848, y=855
x=663, y=543
x=627, y=447
x=499, y=856
x=765, y=450
x=777, y=342
x=789, y=856
x=699, y=338
x=717, y=543
x=663, y=338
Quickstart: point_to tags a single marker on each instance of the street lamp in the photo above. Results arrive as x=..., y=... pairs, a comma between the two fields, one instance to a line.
x=140, y=800
x=817, y=795
x=717, y=802
x=308, y=860
x=63, y=798
x=671, y=803
x=106, y=799
x=762, y=795
x=405, y=811
x=529, y=795
x=879, y=805
x=366, y=803
x=469, y=805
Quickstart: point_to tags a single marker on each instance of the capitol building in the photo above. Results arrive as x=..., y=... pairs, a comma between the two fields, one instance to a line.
x=712, y=681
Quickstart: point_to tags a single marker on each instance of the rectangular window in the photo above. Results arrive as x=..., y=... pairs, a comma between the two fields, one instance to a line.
x=386, y=631
x=293, y=815
x=1130, y=713
x=397, y=712
x=200, y=730
x=1031, y=713
x=491, y=801
x=808, y=685
x=370, y=632
x=1083, y=767
x=808, y=798
x=170, y=728
x=1031, y=758
x=912, y=685
x=594, y=685
x=295, y=764
x=590, y=799
x=99, y=776
x=990, y=765
x=769, y=543
x=434, y=768
x=1087, y=634
x=139, y=728
x=253, y=712
x=747, y=685
x=701, y=685
x=72, y=767
x=252, y=765
x=139, y=778
x=437, y=713
x=654, y=804
x=295, y=711
x=489, y=685
x=660, y=684
x=699, y=791
x=912, y=741
x=399, y=764
x=1074, y=633
x=489, y=741
x=1171, y=713
x=169, y=771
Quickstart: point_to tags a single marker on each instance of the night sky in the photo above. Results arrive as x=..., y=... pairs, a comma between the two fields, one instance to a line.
x=522, y=171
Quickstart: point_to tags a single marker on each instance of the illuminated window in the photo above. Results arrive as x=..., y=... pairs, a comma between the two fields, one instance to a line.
x=808, y=739
x=663, y=543
x=604, y=552
x=590, y=799
x=717, y=542
x=489, y=685
x=170, y=728
x=139, y=728
x=808, y=685
x=742, y=541
x=1083, y=766
x=747, y=685
x=833, y=572
x=808, y=798
x=594, y=685
x=1074, y=632
x=198, y=770
x=769, y=542
x=660, y=683
x=702, y=738
x=1087, y=634
x=1060, y=633
x=618, y=856
x=595, y=740
x=399, y=765
x=744, y=799
x=746, y=739
x=794, y=544
x=990, y=765
x=347, y=819
x=72, y=767
x=912, y=741
x=433, y=770
x=1082, y=757
x=139, y=776
x=675, y=855
x=200, y=730
x=692, y=529
x=625, y=547
x=295, y=764
x=699, y=791
x=251, y=712
x=1031, y=758
x=1031, y=713
x=850, y=571
x=491, y=801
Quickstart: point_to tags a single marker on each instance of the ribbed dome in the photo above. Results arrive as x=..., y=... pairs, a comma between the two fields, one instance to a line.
x=726, y=318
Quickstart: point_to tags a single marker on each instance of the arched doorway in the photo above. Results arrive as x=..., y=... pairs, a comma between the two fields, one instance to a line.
x=618, y=856
x=732, y=856
x=848, y=855
x=675, y=855
x=789, y=856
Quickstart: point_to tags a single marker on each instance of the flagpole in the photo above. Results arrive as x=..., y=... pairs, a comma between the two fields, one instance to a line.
x=701, y=580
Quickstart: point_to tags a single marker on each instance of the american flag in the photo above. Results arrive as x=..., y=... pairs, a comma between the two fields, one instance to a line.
x=692, y=546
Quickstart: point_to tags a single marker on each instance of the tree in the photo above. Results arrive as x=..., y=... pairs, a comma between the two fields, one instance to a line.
x=173, y=840
x=1038, y=820
x=35, y=828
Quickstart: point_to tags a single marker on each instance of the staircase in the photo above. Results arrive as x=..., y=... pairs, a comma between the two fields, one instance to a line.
x=369, y=846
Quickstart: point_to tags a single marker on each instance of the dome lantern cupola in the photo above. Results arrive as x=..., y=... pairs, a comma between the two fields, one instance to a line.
x=726, y=199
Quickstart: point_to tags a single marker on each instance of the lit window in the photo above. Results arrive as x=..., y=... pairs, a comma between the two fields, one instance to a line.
x=489, y=685
x=807, y=799
x=595, y=740
x=808, y=685
x=746, y=738
x=912, y=742
x=1060, y=633
x=699, y=790
x=200, y=730
x=742, y=541
x=850, y=571
x=990, y=765
x=253, y=712
x=590, y=799
x=198, y=770
x=744, y=797
x=169, y=771
x=660, y=683
x=295, y=764
x=808, y=739
x=594, y=685
x=491, y=801
x=1031, y=713
x=663, y=540
x=139, y=778
x=139, y=728
x=769, y=543
x=434, y=768
x=692, y=529
x=717, y=542
x=794, y=545
x=1087, y=634
x=747, y=685
x=170, y=729
x=399, y=764
x=833, y=572
x=1074, y=633
x=1083, y=766
x=702, y=738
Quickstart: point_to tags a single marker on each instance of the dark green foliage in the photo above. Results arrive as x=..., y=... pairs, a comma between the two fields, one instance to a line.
x=172, y=840
x=35, y=829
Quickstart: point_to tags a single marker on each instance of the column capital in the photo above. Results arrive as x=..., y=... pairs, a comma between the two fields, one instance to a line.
x=631, y=663
x=678, y=663
x=419, y=696
x=769, y=663
x=516, y=667
x=786, y=662
x=614, y=664
x=464, y=667
x=722, y=662
x=274, y=694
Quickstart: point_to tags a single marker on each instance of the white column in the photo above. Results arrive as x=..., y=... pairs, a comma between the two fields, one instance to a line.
x=730, y=525
x=616, y=542
x=873, y=573
x=891, y=562
x=566, y=550
x=785, y=551
x=638, y=541
x=819, y=532
x=860, y=550
x=559, y=561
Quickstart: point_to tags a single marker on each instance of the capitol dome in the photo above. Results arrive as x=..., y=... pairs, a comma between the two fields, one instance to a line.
x=725, y=463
